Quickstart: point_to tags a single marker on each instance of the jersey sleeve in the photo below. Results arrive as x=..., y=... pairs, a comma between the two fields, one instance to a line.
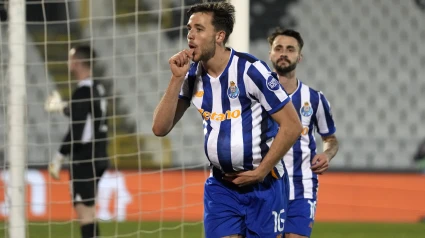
x=264, y=86
x=325, y=122
x=186, y=90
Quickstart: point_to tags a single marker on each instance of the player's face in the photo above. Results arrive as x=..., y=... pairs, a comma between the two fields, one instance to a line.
x=285, y=54
x=201, y=36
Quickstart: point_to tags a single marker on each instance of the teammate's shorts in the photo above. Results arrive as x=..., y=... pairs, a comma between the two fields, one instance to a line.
x=85, y=182
x=300, y=216
x=253, y=211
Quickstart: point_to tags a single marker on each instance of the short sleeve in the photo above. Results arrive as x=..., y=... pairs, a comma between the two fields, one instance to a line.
x=325, y=122
x=265, y=87
x=186, y=90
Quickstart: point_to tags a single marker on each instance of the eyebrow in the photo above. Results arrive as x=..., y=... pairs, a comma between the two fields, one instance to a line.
x=288, y=47
x=196, y=25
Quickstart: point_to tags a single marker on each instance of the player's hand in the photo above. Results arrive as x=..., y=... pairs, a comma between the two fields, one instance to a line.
x=245, y=178
x=55, y=166
x=320, y=163
x=54, y=103
x=180, y=63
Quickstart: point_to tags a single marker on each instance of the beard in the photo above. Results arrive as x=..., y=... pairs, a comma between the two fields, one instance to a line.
x=208, y=52
x=281, y=70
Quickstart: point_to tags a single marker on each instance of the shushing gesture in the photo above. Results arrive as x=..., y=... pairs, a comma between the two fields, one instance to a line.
x=180, y=63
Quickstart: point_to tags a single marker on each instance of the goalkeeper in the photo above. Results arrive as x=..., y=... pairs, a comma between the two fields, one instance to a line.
x=86, y=141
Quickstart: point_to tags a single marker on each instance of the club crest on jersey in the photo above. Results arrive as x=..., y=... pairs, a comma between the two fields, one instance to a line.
x=306, y=110
x=272, y=83
x=233, y=90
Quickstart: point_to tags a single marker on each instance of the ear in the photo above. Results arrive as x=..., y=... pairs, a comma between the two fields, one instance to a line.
x=220, y=36
x=300, y=58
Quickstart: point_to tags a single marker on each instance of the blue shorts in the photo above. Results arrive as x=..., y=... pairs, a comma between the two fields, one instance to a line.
x=300, y=216
x=254, y=211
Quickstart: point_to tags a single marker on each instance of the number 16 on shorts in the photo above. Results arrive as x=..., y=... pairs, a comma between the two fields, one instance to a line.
x=279, y=223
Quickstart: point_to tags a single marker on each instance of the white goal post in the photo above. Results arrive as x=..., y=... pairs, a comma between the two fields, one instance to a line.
x=16, y=150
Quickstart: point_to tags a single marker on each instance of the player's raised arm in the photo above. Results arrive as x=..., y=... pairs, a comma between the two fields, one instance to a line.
x=170, y=109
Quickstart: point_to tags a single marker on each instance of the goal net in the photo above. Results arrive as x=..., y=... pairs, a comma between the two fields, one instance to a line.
x=154, y=185
x=366, y=56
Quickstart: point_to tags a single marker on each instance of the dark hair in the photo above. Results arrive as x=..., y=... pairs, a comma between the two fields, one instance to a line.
x=223, y=15
x=85, y=53
x=288, y=32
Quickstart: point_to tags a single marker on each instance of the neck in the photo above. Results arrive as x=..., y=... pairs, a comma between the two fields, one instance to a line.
x=289, y=81
x=82, y=75
x=216, y=65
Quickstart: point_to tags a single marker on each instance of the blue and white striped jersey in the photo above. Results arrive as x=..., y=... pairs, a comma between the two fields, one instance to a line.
x=315, y=114
x=236, y=109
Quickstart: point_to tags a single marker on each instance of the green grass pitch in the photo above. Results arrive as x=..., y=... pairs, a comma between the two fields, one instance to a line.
x=190, y=230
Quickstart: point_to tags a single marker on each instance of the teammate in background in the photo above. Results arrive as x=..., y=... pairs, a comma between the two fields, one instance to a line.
x=302, y=162
x=86, y=141
x=242, y=106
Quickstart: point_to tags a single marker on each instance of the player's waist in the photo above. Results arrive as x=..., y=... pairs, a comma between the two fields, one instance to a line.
x=219, y=175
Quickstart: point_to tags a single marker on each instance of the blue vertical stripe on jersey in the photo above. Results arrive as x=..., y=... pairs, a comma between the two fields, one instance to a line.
x=329, y=120
x=246, y=117
x=224, y=137
x=298, y=158
x=264, y=126
x=207, y=106
x=314, y=99
x=191, y=78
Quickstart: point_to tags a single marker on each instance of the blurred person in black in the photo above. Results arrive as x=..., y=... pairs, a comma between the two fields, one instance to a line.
x=86, y=141
x=419, y=157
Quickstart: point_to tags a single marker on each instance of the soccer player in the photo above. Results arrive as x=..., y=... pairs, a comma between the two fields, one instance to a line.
x=242, y=105
x=302, y=162
x=86, y=141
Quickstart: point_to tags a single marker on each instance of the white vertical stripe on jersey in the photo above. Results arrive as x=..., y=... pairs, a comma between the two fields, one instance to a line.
x=216, y=107
x=198, y=98
x=279, y=166
x=305, y=141
x=251, y=85
x=321, y=124
x=289, y=163
x=236, y=134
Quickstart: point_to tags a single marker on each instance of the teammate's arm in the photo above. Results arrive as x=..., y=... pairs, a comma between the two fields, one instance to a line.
x=321, y=161
x=326, y=128
x=170, y=109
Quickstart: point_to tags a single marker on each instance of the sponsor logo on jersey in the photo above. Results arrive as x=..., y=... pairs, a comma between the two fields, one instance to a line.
x=228, y=115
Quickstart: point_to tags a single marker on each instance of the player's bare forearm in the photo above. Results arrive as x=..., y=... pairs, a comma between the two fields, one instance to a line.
x=165, y=113
x=290, y=130
x=330, y=146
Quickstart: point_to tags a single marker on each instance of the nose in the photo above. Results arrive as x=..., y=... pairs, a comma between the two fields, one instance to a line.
x=283, y=56
x=190, y=35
